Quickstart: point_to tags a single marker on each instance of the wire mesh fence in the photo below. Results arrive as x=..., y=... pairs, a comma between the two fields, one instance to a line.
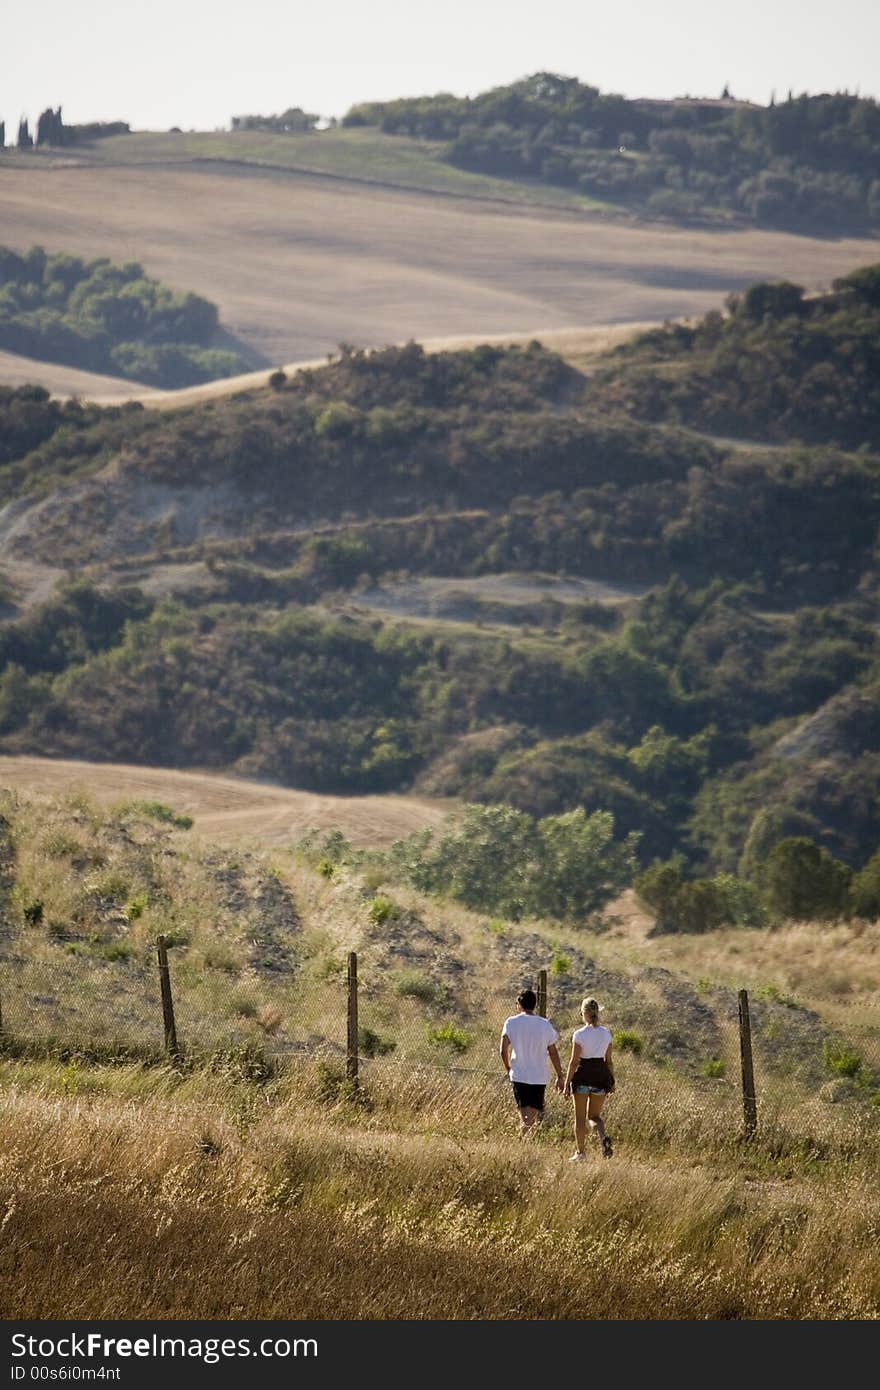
x=805, y=1075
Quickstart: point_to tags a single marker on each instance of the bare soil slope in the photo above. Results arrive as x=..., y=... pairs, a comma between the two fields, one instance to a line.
x=299, y=263
x=225, y=810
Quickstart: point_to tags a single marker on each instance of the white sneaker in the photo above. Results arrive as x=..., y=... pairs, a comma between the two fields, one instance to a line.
x=577, y=1157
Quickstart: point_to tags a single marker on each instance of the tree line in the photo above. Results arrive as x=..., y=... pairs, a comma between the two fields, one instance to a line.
x=808, y=162
x=50, y=129
x=103, y=317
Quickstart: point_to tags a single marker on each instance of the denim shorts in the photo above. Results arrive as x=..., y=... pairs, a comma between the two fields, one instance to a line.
x=589, y=1090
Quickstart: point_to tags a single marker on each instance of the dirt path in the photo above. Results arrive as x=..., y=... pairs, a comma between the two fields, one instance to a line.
x=226, y=810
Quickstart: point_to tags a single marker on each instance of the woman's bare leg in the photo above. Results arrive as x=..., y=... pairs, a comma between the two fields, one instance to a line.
x=580, y=1120
x=594, y=1113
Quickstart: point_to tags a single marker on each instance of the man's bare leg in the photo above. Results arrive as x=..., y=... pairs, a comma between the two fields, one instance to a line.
x=529, y=1119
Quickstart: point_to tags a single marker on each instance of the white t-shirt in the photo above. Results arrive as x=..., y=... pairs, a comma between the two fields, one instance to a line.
x=593, y=1039
x=530, y=1035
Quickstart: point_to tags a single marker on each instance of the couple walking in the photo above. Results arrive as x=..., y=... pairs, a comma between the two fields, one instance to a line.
x=528, y=1040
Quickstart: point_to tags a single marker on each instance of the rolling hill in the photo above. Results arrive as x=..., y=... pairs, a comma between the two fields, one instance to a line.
x=299, y=261
x=479, y=573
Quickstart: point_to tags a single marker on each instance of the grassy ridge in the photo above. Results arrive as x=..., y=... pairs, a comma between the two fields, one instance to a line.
x=363, y=155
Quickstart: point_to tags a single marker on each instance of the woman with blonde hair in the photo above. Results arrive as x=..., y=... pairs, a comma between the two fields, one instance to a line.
x=590, y=1079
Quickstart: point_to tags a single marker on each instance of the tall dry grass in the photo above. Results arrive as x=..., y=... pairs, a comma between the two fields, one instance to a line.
x=137, y=1193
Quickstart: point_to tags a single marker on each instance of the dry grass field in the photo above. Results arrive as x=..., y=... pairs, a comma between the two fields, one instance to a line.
x=200, y=1197
x=299, y=262
x=226, y=810
x=221, y=1190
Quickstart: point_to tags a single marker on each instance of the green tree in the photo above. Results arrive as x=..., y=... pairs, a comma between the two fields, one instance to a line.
x=865, y=889
x=579, y=865
x=803, y=881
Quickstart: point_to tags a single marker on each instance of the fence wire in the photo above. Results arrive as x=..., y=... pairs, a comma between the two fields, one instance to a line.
x=431, y=1016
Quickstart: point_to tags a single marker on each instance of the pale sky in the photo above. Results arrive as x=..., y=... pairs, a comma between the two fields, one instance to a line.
x=196, y=63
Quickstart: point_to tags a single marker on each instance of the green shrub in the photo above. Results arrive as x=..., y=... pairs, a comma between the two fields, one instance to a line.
x=157, y=810
x=244, y=1006
x=335, y=1085
x=372, y=1044
x=221, y=958
x=865, y=890
x=803, y=881
x=243, y=1062
x=841, y=1059
x=338, y=420
x=381, y=910
x=713, y=1068
x=177, y=936
x=560, y=965
x=415, y=984
x=773, y=992
x=115, y=950
x=61, y=844
x=457, y=1039
x=625, y=1040
x=684, y=905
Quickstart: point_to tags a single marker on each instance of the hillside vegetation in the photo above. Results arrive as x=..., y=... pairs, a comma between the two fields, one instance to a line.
x=108, y=318
x=719, y=702
x=778, y=366
x=810, y=162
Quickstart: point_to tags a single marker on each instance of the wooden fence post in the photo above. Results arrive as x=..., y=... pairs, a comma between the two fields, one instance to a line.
x=542, y=993
x=351, y=1065
x=750, y=1104
x=167, y=1002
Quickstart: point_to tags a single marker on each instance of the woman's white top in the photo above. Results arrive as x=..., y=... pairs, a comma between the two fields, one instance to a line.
x=593, y=1039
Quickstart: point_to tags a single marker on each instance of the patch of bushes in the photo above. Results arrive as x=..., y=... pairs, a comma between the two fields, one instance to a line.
x=373, y=1044
x=157, y=810
x=108, y=318
x=243, y=1062
x=381, y=910
x=415, y=984
x=452, y=1037
x=841, y=1059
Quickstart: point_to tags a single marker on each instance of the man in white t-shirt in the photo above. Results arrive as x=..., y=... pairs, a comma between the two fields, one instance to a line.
x=528, y=1041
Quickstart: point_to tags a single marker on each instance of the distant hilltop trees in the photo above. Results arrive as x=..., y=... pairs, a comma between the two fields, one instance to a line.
x=808, y=163
x=293, y=121
x=51, y=130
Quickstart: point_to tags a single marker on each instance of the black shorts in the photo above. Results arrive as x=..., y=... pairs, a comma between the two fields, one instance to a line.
x=524, y=1093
